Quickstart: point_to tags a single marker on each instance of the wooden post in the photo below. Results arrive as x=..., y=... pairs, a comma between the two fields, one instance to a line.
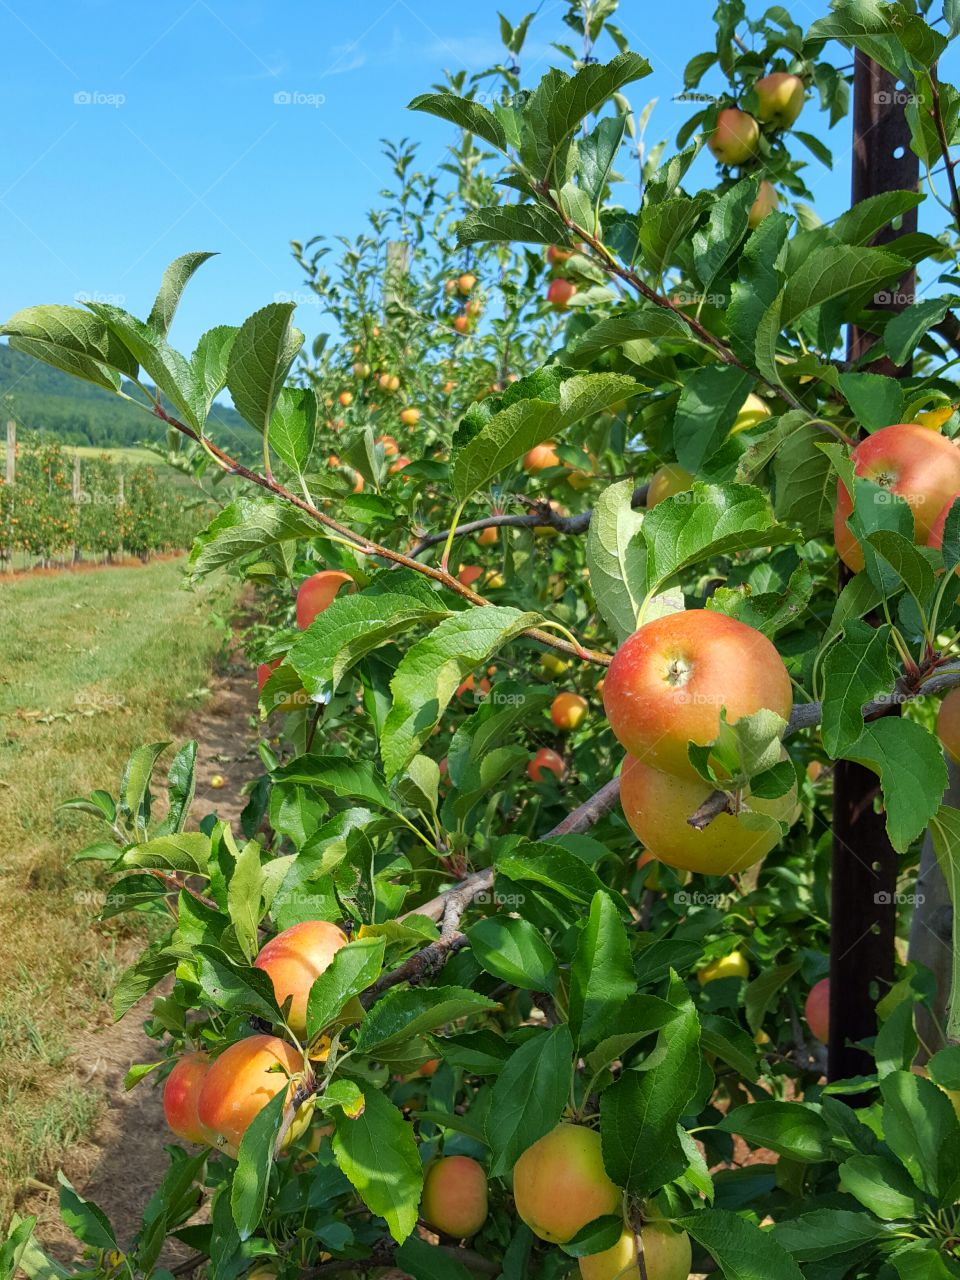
x=863, y=911
x=11, y=452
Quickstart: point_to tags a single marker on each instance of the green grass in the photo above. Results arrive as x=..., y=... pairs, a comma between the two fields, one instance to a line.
x=131, y=454
x=94, y=664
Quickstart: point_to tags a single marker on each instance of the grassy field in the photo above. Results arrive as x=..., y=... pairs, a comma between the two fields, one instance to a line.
x=94, y=664
x=132, y=455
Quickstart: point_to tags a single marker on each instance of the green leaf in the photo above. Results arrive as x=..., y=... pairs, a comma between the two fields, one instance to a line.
x=187, y=851
x=861, y=223
x=345, y=778
x=763, y=991
x=251, y=1181
x=580, y=95
x=245, y=527
x=142, y=976
x=913, y=776
x=757, y=283
x=791, y=1129
x=174, y=282
x=235, y=988
x=209, y=363
x=135, y=783
x=601, y=975
x=882, y=1186
x=513, y=431
x=742, y=1250
x=708, y=406
x=181, y=786
x=552, y=867
x=428, y=1262
x=906, y=560
x=431, y=671
x=945, y=833
x=597, y=153
x=353, y=968
x=86, y=1220
x=464, y=113
x=876, y=401
x=805, y=485
x=921, y=1128
x=951, y=538
x=263, y=351
x=855, y=671
x=905, y=329
x=378, y=1153
x=616, y=558
x=713, y=522
x=353, y=626
x=293, y=427
x=504, y=224
x=171, y=372
x=834, y=271
x=73, y=341
x=825, y=1233
x=402, y=1014
x=640, y=1112
x=856, y=21
x=529, y=1096
x=665, y=224
x=515, y=951
x=922, y=1260
x=244, y=898
x=616, y=331
x=715, y=244
x=728, y=1040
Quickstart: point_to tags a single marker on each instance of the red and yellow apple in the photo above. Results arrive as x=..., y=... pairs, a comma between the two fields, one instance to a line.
x=294, y=959
x=657, y=806
x=918, y=465
x=567, y=711
x=948, y=725
x=488, y=537
x=767, y=201
x=455, y=1196
x=346, y=398
x=540, y=457
x=560, y=292
x=817, y=1010
x=560, y=1184
x=779, y=99
x=735, y=138
x=410, y=416
x=180, y=1096
x=466, y=282
x=545, y=759
x=317, y=593
x=668, y=682
x=667, y=1255
x=240, y=1083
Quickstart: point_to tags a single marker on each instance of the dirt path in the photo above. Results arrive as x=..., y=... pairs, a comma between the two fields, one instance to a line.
x=122, y=1163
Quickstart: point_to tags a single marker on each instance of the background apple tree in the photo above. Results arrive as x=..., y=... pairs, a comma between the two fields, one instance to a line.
x=566, y=396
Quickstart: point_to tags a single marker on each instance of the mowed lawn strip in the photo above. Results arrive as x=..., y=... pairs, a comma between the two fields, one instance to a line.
x=93, y=665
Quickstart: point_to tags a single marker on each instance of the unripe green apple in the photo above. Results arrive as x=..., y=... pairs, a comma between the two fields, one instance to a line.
x=666, y=481
x=657, y=806
x=779, y=98
x=735, y=138
x=560, y=1184
x=667, y=1255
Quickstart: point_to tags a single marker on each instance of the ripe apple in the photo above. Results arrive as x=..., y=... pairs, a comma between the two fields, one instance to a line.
x=317, y=593
x=346, y=398
x=462, y=323
x=567, y=711
x=450, y=286
x=657, y=806
x=766, y=202
x=455, y=1196
x=180, y=1095
x=948, y=725
x=362, y=370
x=556, y=255
x=466, y=283
x=540, y=457
x=469, y=574
x=920, y=466
x=779, y=98
x=560, y=292
x=294, y=959
x=298, y=699
x=752, y=413
x=488, y=537
x=734, y=965
x=240, y=1083
x=667, y=1255
x=560, y=1184
x=474, y=310
x=398, y=465
x=390, y=446
x=668, y=681
x=735, y=138
x=666, y=481
x=817, y=1010
x=409, y=417
x=546, y=759
x=470, y=686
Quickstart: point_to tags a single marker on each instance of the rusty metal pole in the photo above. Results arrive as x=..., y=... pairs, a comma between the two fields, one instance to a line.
x=864, y=868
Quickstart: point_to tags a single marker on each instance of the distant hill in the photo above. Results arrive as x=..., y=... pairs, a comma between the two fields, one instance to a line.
x=78, y=413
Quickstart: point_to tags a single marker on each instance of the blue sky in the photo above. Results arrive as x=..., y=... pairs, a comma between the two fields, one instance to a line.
x=136, y=132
